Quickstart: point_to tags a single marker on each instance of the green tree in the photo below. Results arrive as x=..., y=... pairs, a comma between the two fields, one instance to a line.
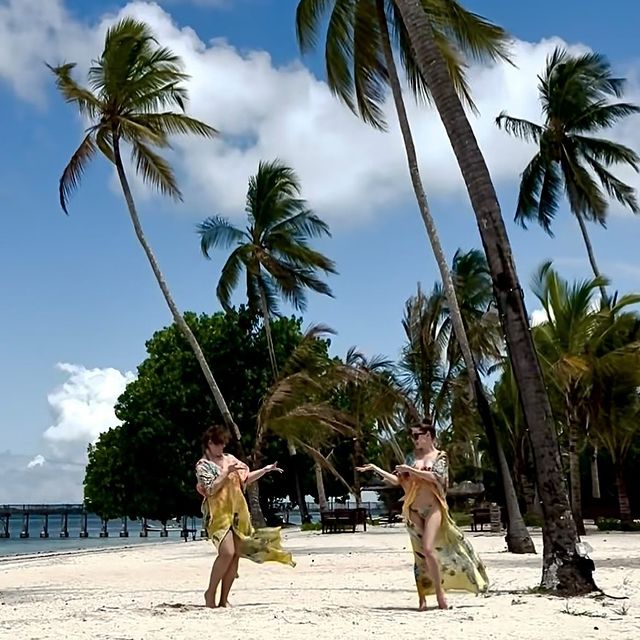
x=132, y=88
x=564, y=570
x=575, y=346
x=575, y=93
x=166, y=409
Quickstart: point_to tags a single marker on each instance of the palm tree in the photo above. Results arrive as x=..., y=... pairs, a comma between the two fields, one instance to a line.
x=273, y=249
x=575, y=93
x=132, y=88
x=275, y=254
x=564, y=569
x=433, y=361
x=358, y=36
x=574, y=345
x=615, y=400
x=371, y=396
x=299, y=405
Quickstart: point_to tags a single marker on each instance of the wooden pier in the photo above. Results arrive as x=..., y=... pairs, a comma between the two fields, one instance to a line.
x=42, y=514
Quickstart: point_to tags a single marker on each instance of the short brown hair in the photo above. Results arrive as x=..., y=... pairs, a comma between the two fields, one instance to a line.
x=424, y=426
x=216, y=434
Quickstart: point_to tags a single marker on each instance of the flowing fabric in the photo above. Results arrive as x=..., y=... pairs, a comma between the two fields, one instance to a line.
x=226, y=510
x=460, y=567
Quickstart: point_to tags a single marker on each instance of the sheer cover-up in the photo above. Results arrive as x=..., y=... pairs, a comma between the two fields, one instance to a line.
x=227, y=510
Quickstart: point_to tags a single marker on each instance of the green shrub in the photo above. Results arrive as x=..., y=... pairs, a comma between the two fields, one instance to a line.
x=311, y=526
x=462, y=519
x=532, y=520
x=613, y=524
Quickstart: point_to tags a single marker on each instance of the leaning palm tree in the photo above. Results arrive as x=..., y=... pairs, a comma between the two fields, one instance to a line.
x=575, y=94
x=360, y=65
x=133, y=87
x=564, y=569
x=273, y=249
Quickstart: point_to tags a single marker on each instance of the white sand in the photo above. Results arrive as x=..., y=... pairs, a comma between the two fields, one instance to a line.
x=345, y=586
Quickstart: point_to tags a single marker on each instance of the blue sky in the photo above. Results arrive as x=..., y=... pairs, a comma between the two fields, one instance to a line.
x=78, y=290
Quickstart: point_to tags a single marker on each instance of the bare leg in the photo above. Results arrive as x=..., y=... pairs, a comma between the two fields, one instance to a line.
x=226, y=551
x=418, y=524
x=431, y=527
x=231, y=574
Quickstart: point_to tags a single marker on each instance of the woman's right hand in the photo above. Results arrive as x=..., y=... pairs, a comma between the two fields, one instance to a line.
x=234, y=467
x=365, y=468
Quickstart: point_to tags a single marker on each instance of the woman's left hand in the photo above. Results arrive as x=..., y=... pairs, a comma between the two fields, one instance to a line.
x=273, y=467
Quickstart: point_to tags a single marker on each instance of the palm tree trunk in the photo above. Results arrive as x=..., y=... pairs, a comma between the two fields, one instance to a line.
x=564, y=569
x=267, y=331
x=322, y=494
x=623, y=498
x=516, y=526
x=304, y=512
x=595, y=474
x=177, y=316
x=574, y=471
x=590, y=252
x=517, y=538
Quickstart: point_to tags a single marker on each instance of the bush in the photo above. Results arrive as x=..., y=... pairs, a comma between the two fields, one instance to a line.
x=311, y=526
x=462, y=519
x=532, y=520
x=613, y=524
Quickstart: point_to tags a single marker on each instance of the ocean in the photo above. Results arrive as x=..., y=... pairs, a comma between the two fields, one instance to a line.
x=35, y=544
x=15, y=545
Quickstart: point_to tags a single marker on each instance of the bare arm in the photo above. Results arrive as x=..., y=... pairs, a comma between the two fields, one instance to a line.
x=254, y=476
x=385, y=475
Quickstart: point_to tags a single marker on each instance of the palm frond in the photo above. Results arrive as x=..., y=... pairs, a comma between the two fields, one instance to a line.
x=229, y=276
x=606, y=151
x=155, y=170
x=217, y=231
x=529, y=195
x=168, y=123
x=73, y=172
x=524, y=129
x=88, y=104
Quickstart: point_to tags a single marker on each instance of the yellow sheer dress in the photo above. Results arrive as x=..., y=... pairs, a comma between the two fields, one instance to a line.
x=227, y=510
x=460, y=567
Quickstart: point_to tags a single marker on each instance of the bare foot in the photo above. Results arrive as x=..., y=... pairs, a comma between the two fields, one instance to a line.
x=422, y=605
x=209, y=600
x=442, y=602
x=225, y=605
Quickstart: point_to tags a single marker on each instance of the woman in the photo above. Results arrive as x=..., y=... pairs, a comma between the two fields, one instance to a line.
x=221, y=480
x=444, y=560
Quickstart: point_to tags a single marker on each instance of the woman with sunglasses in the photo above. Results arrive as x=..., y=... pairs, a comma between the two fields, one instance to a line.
x=222, y=479
x=444, y=559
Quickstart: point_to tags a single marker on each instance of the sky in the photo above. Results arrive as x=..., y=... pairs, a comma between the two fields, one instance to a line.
x=78, y=296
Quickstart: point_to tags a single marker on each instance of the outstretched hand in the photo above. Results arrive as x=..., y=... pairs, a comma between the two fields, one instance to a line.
x=273, y=467
x=365, y=468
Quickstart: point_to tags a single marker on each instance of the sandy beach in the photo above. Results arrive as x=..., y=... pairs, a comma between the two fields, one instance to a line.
x=345, y=586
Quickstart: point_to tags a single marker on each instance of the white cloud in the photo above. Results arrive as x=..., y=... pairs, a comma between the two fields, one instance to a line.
x=538, y=317
x=83, y=407
x=348, y=170
x=50, y=482
x=38, y=461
